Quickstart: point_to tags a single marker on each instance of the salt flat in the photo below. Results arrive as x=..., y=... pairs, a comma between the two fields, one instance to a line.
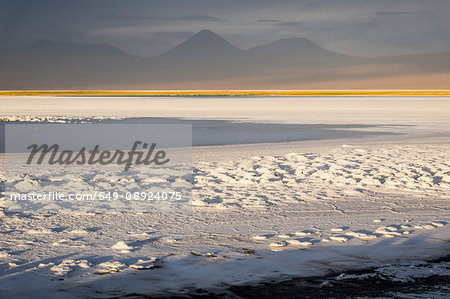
x=260, y=211
x=323, y=110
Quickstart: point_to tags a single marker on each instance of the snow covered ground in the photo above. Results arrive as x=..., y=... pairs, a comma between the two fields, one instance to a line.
x=261, y=212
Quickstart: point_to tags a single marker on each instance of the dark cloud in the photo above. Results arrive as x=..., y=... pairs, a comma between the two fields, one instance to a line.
x=142, y=27
x=289, y=24
x=173, y=34
x=268, y=21
x=200, y=18
x=115, y=17
x=396, y=13
x=72, y=35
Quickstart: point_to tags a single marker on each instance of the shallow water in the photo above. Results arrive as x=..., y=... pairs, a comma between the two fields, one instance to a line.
x=222, y=132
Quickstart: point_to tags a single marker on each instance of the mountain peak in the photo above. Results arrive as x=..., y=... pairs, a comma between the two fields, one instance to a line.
x=205, y=44
x=207, y=37
x=295, y=41
x=298, y=39
x=207, y=32
x=286, y=51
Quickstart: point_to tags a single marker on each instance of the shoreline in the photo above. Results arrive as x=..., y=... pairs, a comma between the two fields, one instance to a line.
x=196, y=93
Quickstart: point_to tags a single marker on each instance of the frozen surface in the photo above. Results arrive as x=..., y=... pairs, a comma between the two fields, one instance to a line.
x=260, y=211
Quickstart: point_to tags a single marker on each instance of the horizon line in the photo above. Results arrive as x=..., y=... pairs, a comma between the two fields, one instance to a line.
x=237, y=92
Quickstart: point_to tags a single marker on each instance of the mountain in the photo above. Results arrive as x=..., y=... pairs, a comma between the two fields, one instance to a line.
x=46, y=54
x=204, y=47
x=208, y=61
x=50, y=64
x=295, y=50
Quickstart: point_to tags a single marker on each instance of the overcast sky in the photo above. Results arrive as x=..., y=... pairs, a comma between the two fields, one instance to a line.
x=150, y=27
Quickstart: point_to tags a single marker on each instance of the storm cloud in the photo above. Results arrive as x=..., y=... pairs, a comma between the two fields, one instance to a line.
x=148, y=28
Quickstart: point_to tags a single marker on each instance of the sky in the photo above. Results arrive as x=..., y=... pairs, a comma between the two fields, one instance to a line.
x=151, y=27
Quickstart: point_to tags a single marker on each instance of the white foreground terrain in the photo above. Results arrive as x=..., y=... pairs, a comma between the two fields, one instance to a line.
x=260, y=212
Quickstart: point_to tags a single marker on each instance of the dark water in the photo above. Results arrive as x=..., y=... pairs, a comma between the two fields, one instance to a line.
x=369, y=283
x=222, y=132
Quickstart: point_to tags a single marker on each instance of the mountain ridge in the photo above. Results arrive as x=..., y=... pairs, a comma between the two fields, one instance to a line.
x=207, y=60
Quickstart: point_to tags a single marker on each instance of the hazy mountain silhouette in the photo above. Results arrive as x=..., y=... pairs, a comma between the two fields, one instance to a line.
x=51, y=64
x=205, y=47
x=207, y=61
x=295, y=50
x=48, y=54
